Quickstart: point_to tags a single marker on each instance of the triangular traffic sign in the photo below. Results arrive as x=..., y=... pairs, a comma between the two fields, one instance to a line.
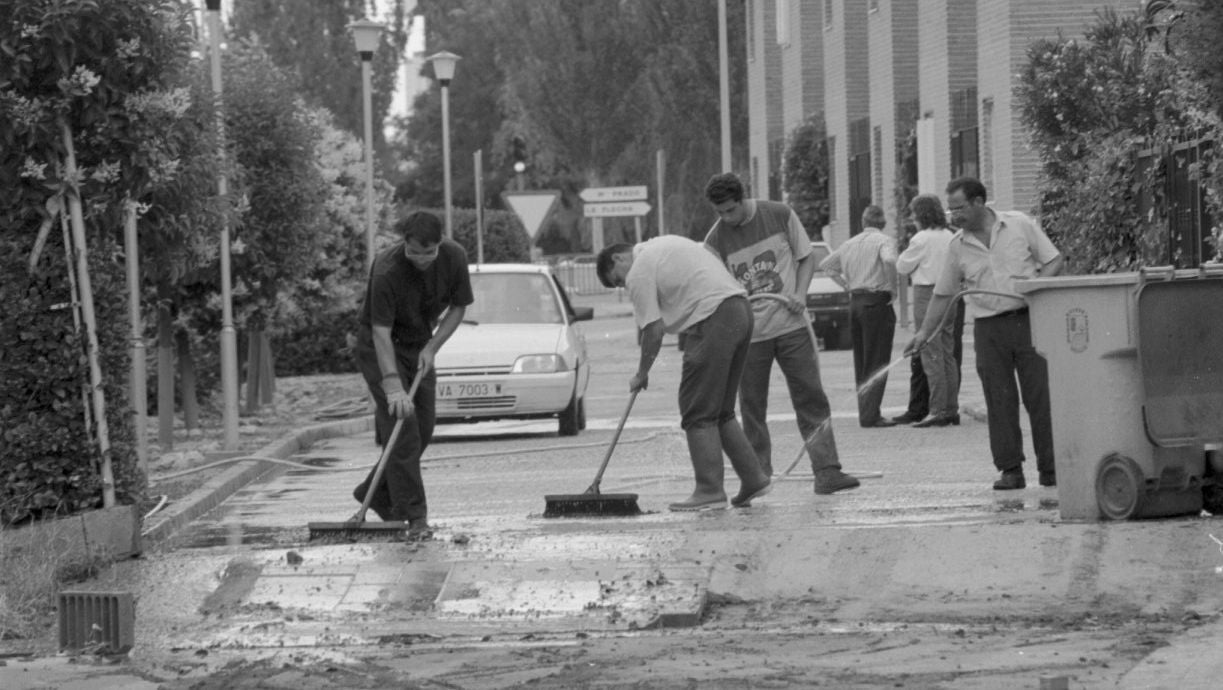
x=532, y=206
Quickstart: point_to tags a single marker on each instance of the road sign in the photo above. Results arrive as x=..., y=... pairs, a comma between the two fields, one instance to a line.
x=531, y=206
x=595, y=194
x=622, y=208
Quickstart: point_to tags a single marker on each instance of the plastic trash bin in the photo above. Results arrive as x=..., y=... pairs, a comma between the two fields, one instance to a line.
x=1136, y=389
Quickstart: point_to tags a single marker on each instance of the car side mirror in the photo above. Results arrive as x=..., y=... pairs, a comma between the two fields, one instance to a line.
x=583, y=313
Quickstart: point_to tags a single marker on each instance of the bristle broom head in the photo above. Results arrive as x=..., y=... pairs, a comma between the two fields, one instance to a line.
x=578, y=505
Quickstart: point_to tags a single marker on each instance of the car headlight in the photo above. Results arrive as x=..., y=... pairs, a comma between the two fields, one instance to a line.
x=539, y=364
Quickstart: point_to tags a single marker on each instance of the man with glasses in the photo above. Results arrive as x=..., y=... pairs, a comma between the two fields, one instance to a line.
x=993, y=250
x=411, y=285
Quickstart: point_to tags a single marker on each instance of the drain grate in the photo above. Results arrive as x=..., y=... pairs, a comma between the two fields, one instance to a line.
x=98, y=621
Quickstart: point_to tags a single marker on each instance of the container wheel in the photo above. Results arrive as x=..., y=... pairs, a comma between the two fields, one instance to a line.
x=1119, y=488
x=1212, y=498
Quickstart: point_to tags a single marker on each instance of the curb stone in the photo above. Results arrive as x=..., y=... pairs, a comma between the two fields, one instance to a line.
x=162, y=526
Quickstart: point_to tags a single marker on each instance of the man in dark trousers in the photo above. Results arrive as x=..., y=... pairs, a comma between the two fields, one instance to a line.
x=865, y=265
x=678, y=286
x=411, y=285
x=764, y=246
x=992, y=250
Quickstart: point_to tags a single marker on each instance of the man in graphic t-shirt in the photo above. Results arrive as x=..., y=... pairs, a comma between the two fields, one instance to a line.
x=765, y=248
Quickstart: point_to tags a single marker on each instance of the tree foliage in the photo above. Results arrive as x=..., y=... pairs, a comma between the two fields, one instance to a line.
x=309, y=40
x=105, y=72
x=595, y=89
x=805, y=171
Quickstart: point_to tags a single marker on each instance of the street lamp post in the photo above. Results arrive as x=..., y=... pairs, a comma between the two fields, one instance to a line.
x=443, y=68
x=229, y=337
x=366, y=35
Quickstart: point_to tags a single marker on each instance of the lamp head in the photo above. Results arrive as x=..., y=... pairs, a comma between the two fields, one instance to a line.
x=366, y=35
x=443, y=65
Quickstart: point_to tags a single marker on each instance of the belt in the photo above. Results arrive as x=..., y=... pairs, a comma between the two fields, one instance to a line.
x=1022, y=311
x=863, y=291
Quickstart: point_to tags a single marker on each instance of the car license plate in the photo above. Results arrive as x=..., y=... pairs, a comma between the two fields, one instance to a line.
x=447, y=391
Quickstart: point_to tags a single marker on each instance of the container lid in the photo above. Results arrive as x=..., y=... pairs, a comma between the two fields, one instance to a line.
x=1180, y=351
x=1031, y=285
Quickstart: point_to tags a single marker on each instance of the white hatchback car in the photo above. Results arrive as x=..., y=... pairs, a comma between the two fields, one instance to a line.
x=519, y=352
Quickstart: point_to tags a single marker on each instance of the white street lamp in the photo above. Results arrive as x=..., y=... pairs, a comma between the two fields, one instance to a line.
x=366, y=35
x=229, y=337
x=443, y=68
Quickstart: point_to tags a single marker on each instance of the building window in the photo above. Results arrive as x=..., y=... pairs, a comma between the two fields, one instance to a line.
x=777, y=152
x=964, y=158
x=877, y=160
x=828, y=14
x=987, y=142
x=832, y=178
x=783, y=22
x=859, y=172
x=751, y=29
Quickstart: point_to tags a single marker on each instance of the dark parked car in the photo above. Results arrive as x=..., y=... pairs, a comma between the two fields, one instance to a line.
x=828, y=305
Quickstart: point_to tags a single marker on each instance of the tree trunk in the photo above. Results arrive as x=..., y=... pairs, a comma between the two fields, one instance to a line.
x=186, y=377
x=165, y=378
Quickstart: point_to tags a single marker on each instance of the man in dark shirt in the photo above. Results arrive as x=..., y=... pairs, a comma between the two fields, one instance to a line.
x=410, y=286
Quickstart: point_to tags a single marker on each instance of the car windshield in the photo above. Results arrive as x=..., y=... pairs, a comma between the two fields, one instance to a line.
x=512, y=298
x=819, y=253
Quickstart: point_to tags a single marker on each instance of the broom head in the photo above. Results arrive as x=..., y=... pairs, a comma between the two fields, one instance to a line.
x=590, y=504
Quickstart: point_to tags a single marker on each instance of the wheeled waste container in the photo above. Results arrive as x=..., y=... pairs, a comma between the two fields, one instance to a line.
x=1136, y=389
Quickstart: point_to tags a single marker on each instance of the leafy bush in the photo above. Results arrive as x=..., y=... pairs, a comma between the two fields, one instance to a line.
x=48, y=458
x=1093, y=107
x=805, y=170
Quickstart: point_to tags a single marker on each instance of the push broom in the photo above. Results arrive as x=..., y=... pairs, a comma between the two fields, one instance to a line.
x=356, y=526
x=592, y=502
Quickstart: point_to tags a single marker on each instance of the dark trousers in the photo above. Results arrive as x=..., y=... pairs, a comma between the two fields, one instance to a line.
x=401, y=493
x=715, y=351
x=872, y=323
x=1004, y=356
x=796, y=356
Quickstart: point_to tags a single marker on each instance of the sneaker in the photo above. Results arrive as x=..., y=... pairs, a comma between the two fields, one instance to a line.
x=1011, y=480
x=832, y=481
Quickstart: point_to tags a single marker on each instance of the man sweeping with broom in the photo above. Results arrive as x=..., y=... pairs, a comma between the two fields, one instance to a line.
x=410, y=286
x=678, y=286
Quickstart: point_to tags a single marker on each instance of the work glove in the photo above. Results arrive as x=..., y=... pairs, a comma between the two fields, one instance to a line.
x=397, y=400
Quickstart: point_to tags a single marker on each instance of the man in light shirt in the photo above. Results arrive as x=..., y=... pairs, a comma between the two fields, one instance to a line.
x=923, y=260
x=678, y=286
x=865, y=265
x=992, y=251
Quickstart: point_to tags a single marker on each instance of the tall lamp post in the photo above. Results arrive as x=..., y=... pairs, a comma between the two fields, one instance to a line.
x=229, y=337
x=366, y=35
x=443, y=68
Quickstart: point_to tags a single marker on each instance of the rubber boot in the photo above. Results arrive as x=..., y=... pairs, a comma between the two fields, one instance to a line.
x=753, y=481
x=705, y=451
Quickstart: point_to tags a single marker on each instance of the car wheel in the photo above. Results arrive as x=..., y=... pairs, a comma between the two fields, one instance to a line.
x=571, y=422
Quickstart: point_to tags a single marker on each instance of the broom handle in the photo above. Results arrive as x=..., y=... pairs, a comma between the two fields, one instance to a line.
x=386, y=452
x=594, y=487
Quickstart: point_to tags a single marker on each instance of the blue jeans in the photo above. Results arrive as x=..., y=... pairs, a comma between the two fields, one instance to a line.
x=797, y=358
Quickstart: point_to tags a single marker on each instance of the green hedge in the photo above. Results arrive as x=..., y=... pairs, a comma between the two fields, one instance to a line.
x=49, y=464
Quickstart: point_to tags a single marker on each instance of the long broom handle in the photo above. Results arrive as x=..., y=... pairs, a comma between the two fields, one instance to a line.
x=386, y=452
x=594, y=486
